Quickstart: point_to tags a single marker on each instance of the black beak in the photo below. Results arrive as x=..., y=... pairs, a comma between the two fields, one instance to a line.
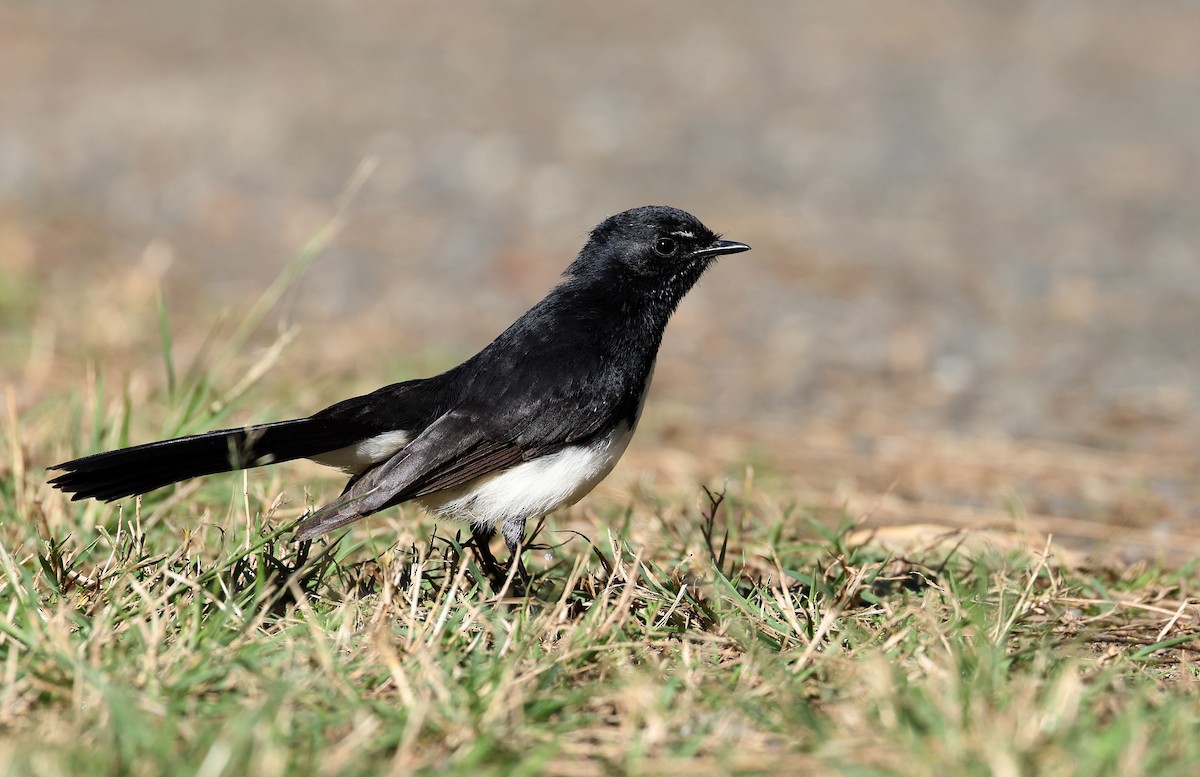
x=720, y=247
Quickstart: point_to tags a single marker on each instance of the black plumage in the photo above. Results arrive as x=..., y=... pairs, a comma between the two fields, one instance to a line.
x=561, y=387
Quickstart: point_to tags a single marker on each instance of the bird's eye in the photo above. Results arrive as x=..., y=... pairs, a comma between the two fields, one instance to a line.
x=665, y=246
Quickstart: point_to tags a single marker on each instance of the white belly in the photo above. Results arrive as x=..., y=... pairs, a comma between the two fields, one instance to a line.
x=509, y=498
x=534, y=488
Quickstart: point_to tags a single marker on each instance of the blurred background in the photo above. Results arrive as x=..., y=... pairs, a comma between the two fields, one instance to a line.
x=974, y=294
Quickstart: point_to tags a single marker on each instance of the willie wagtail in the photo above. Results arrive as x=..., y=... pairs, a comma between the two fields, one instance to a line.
x=530, y=423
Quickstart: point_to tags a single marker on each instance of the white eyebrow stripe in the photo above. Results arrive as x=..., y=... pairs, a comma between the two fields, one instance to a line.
x=684, y=233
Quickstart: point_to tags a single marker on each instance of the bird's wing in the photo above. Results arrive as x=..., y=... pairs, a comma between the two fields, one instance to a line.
x=453, y=450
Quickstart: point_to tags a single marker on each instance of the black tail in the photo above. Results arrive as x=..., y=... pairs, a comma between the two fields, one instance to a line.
x=143, y=468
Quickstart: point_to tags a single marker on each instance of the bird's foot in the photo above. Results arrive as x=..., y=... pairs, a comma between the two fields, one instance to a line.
x=501, y=577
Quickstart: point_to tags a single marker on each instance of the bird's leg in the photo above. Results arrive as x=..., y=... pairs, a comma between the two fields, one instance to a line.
x=481, y=537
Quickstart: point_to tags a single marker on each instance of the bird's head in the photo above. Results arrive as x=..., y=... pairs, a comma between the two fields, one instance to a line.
x=653, y=250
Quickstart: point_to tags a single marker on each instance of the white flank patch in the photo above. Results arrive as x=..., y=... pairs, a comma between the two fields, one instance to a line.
x=534, y=488
x=515, y=495
x=355, y=458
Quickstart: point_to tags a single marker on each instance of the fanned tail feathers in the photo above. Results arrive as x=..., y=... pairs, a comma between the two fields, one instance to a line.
x=143, y=468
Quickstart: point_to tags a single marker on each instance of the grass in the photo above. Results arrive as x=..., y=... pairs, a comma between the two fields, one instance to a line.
x=699, y=633
x=216, y=650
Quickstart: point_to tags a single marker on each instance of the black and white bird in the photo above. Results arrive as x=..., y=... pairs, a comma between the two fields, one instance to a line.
x=529, y=424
